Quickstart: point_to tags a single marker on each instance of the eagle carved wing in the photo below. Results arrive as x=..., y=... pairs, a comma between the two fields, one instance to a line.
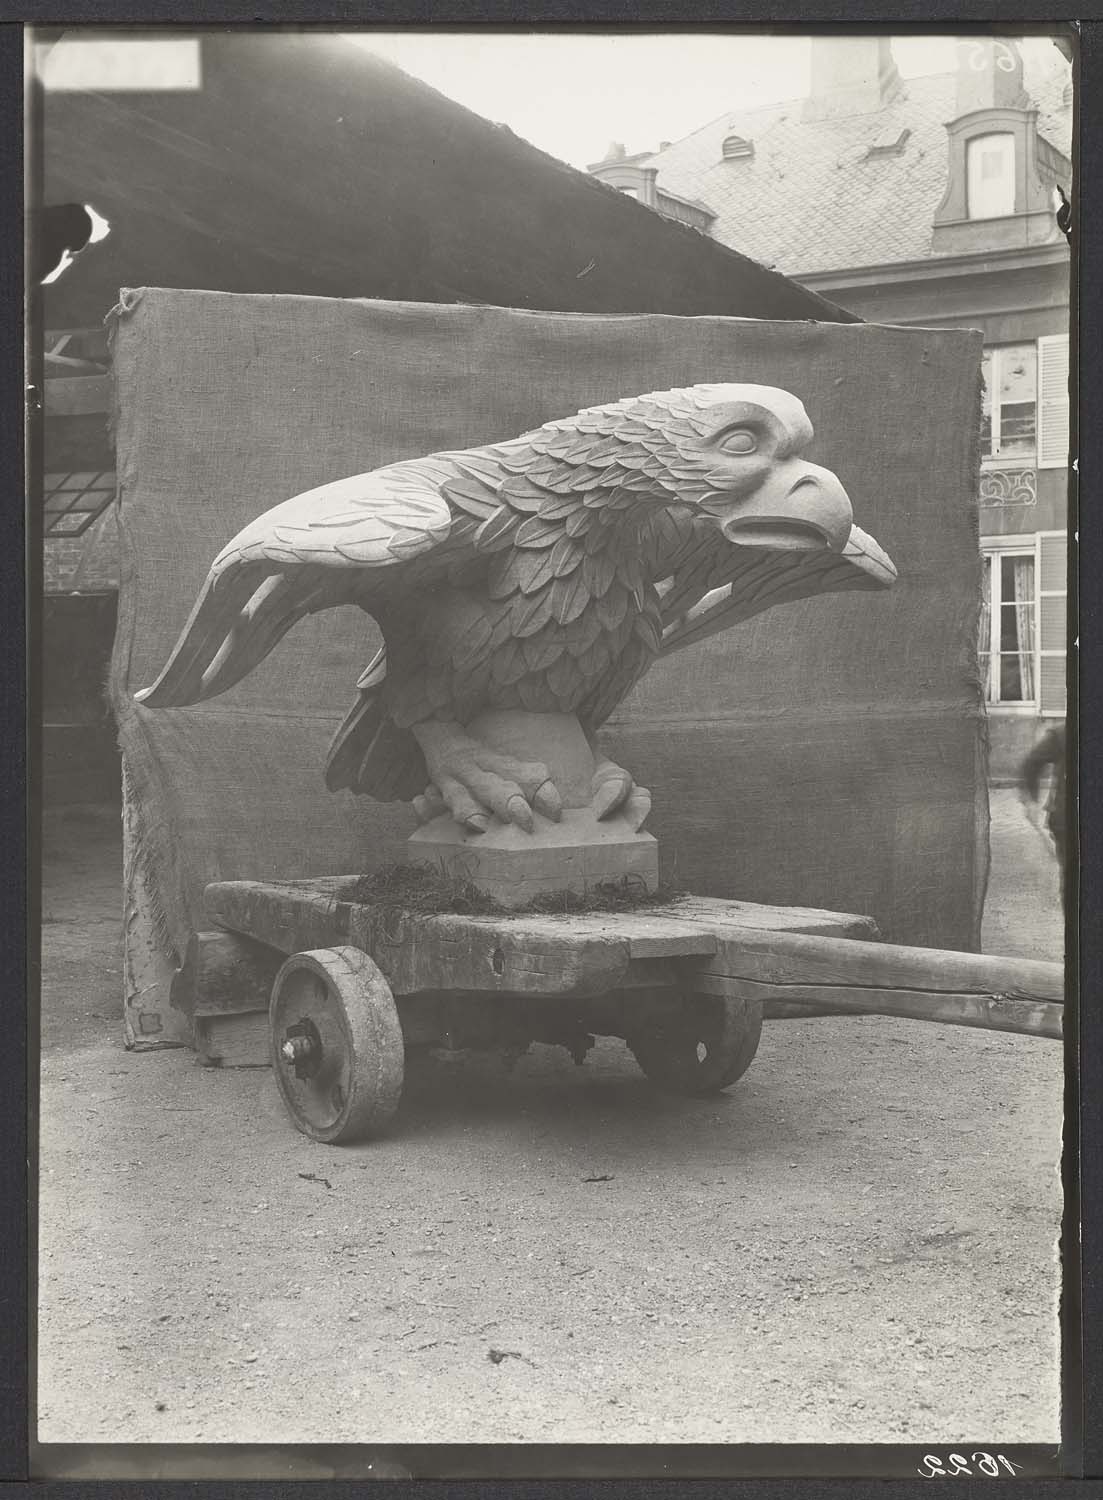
x=711, y=589
x=341, y=543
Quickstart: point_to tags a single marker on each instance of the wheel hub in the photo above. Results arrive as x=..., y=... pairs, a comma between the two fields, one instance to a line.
x=301, y=1048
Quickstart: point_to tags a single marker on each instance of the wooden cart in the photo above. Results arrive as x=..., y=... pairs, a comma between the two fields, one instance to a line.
x=333, y=992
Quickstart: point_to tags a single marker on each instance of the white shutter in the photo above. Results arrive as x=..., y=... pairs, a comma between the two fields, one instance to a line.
x=1053, y=401
x=1052, y=628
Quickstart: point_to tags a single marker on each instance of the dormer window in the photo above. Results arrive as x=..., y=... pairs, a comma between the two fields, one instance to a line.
x=736, y=146
x=990, y=176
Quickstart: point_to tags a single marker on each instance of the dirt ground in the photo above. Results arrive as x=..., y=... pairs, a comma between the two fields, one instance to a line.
x=857, y=1244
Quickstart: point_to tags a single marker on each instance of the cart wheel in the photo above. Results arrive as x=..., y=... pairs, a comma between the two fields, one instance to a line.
x=704, y=1049
x=336, y=1044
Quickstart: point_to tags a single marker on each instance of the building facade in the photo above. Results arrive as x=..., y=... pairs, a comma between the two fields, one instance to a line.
x=930, y=202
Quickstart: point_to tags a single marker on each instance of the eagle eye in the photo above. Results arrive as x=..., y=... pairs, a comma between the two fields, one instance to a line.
x=739, y=440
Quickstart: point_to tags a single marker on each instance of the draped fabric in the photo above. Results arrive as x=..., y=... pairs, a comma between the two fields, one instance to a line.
x=826, y=753
x=1024, y=622
x=984, y=628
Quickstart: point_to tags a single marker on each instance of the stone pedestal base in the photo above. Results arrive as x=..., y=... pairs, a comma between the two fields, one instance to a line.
x=574, y=854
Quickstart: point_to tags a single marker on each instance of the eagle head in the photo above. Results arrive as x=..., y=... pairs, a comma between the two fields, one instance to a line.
x=734, y=454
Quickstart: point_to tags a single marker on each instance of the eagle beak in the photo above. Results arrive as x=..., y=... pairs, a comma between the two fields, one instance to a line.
x=800, y=507
x=870, y=557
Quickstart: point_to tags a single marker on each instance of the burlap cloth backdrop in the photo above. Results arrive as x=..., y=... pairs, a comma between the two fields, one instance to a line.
x=824, y=754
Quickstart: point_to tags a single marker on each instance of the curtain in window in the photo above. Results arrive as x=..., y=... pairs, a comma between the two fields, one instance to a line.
x=984, y=632
x=1024, y=620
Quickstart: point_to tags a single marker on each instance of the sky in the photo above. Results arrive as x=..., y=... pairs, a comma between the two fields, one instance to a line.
x=571, y=95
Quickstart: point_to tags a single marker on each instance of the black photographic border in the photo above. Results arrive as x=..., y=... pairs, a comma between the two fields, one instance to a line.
x=751, y=1470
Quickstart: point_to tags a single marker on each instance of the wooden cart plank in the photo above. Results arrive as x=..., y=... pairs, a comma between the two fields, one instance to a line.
x=685, y=927
x=571, y=955
x=990, y=1012
x=793, y=958
x=536, y=955
x=924, y=984
x=721, y=916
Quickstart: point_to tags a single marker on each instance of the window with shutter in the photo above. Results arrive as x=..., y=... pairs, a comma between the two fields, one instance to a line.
x=1009, y=412
x=1052, y=621
x=1053, y=401
x=1007, y=644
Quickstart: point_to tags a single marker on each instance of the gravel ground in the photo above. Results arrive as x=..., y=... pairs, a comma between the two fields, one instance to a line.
x=857, y=1244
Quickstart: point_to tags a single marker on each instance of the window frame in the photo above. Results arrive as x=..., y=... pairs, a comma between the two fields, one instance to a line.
x=973, y=148
x=993, y=550
x=1010, y=460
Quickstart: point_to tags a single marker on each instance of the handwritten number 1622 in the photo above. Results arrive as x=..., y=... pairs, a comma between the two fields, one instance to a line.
x=988, y=1464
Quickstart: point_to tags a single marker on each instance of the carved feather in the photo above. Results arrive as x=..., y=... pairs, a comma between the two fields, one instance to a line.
x=594, y=660
x=565, y=556
x=479, y=465
x=598, y=572
x=472, y=496
x=502, y=579
x=569, y=597
x=529, y=571
x=540, y=653
x=503, y=627
x=508, y=664
x=580, y=634
x=586, y=478
x=558, y=477
x=559, y=507
x=375, y=672
x=604, y=452
x=529, y=612
x=522, y=494
x=536, y=532
x=650, y=632
x=497, y=531
x=473, y=642
x=597, y=498
x=611, y=606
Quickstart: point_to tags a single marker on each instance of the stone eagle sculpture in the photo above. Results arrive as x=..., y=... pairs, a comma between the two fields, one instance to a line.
x=542, y=574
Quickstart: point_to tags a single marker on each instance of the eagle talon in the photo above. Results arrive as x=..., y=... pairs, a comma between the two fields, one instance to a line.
x=547, y=801
x=429, y=805
x=475, y=783
x=616, y=792
x=520, y=813
x=636, y=808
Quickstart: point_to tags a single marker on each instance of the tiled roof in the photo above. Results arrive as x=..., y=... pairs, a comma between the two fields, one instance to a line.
x=810, y=199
